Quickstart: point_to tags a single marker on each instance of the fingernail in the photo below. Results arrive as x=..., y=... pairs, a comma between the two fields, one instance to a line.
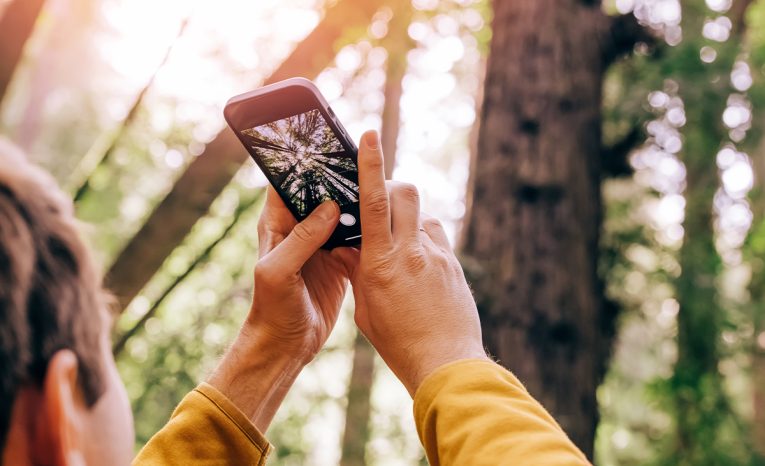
x=372, y=140
x=326, y=211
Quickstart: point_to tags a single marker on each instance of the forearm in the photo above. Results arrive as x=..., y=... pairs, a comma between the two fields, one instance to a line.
x=256, y=374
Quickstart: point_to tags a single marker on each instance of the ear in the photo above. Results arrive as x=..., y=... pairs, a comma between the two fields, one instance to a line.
x=65, y=410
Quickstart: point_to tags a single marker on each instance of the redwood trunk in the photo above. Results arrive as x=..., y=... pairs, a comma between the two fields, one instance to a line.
x=530, y=242
x=756, y=252
x=16, y=26
x=358, y=412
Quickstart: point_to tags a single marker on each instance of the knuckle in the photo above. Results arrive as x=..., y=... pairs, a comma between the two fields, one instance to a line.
x=432, y=223
x=262, y=226
x=442, y=260
x=416, y=260
x=375, y=162
x=265, y=227
x=303, y=231
x=405, y=191
x=380, y=272
x=265, y=276
x=377, y=203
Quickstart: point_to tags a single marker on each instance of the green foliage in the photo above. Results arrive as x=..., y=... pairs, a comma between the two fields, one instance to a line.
x=697, y=411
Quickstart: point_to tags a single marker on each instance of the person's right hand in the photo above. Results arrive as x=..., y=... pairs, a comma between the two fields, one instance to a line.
x=412, y=300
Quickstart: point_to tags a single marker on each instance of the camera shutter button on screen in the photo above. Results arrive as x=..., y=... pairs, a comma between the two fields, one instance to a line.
x=347, y=220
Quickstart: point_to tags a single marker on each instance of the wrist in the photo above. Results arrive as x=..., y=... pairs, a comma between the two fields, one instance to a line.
x=256, y=373
x=433, y=360
x=274, y=345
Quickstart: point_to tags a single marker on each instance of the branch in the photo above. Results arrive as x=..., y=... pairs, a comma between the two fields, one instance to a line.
x=621, y=34
x=615, y=159
x=202, y=258
x=103, y=148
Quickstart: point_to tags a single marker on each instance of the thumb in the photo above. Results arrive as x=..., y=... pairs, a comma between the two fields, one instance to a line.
x=307, y=237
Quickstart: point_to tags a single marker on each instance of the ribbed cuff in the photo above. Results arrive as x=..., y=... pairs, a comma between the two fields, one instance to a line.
x=236, y=416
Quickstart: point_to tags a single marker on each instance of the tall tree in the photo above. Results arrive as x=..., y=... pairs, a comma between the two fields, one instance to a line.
x=755, y=250
x=359, y=409
x=65, y=37
x=397, y=43
x=755, y=245
x=705, y=424
x=16, y=26
x=530, y=243
x=209, y=173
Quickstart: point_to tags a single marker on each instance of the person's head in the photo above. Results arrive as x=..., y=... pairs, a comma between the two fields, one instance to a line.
x=61, y=400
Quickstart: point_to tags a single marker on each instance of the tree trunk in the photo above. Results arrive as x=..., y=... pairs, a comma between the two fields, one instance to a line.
x=702, y=410
x=755, y=246
x=357, y=414
x=755, y=254
x=67, y=37
x=16, y=26
x=530, y=244
x=397, y=43
x=204, y=179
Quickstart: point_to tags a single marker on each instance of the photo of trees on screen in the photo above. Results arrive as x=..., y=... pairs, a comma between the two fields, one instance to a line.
x=306, y=160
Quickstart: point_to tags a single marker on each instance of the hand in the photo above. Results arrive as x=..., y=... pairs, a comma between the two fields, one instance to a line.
x=412, y=300
x=298, y=292
x=298, y=286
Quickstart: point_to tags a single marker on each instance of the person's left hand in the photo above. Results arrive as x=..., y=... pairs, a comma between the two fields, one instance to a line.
x=298, y=292
x=299, y=287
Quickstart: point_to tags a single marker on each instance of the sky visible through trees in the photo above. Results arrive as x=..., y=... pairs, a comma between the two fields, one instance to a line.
x=305, y=159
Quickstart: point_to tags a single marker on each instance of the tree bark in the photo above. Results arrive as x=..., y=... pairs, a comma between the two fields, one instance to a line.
x=755, y=246
x=204, y=179
x=359, y=409
x=16, y=26
x=702, y=409
x=65, y=38
x=755, y=250
x=755, y=254
x=398, y=44
x=530, y=244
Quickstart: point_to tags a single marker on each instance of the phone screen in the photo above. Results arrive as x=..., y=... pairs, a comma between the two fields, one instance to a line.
x=306, y=161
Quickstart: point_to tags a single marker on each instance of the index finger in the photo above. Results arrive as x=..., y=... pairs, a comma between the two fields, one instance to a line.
x=275, y=223
x=277, y=211
x=373, y=195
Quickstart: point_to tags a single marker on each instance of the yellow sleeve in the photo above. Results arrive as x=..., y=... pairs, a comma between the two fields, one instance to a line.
x=206, y=428
x=474, y=412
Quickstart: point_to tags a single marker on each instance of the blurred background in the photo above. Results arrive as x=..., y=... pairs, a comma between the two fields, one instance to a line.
x=598, y=168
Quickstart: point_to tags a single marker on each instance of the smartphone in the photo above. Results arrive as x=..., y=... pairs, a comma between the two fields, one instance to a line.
x=294, y=136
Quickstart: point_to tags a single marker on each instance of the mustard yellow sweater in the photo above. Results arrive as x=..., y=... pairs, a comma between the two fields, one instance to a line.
x=469, y=412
